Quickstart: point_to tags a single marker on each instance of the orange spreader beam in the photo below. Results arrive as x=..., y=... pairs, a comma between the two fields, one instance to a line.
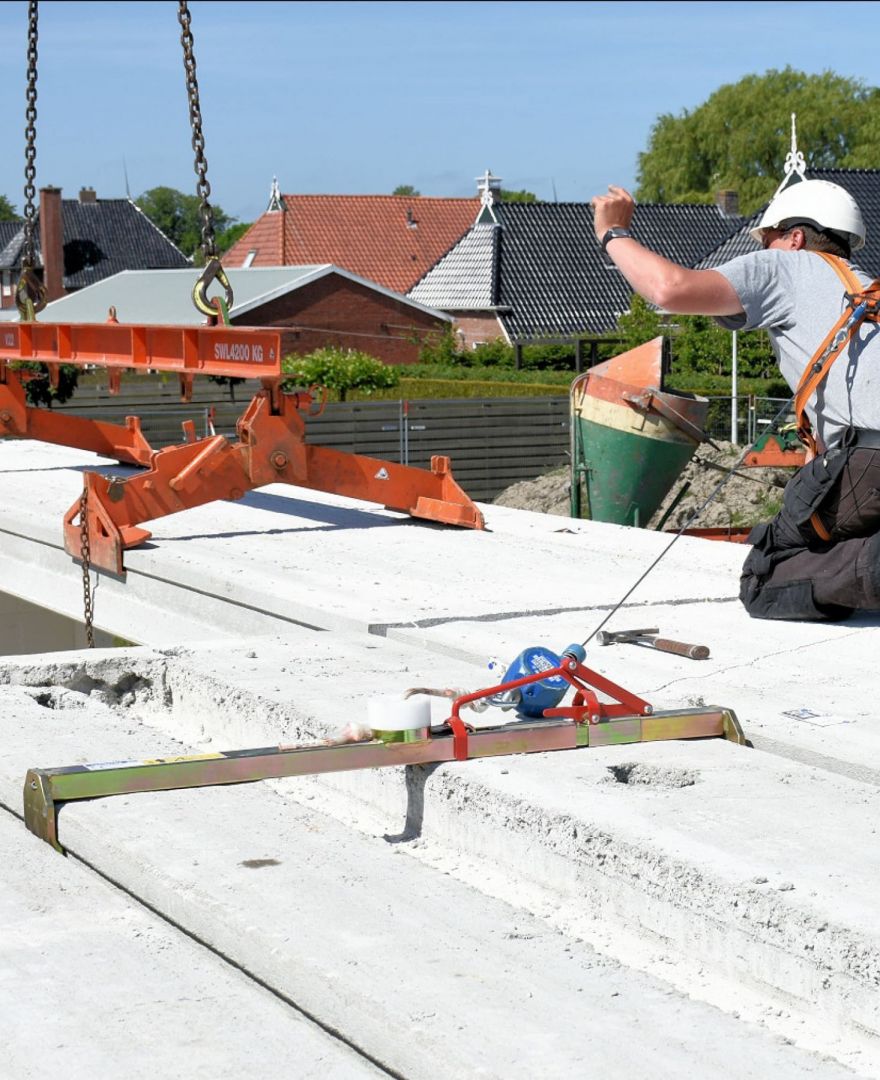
x=270, y=447
x=197, y=350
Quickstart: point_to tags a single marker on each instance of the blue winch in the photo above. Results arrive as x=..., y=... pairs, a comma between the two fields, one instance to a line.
x=533, y=699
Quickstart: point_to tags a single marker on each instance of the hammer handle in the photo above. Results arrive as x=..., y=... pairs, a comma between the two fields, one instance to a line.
x=680, y=648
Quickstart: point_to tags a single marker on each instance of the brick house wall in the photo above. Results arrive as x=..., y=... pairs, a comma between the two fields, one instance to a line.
x=473, y=328
x=340, y=312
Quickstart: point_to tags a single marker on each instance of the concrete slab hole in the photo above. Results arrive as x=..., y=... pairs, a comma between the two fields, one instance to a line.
x=633, y=772
x=124, y=692
x=126, y=683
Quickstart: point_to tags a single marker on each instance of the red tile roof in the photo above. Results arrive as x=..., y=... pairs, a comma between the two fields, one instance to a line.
x=390, y=239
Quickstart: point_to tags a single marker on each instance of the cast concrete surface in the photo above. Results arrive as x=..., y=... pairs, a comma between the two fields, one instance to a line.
x=94, y=985
x=693, y=908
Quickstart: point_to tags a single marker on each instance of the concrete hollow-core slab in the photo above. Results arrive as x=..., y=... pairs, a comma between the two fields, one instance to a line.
x=516, y=916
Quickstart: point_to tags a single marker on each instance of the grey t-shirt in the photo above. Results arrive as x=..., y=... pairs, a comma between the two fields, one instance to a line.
x=797, y=297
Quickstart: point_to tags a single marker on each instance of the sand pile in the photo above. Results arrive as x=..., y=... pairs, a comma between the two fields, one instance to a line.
x=748, y=497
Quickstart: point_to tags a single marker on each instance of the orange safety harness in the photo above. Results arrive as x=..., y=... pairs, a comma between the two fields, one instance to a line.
x=863, y=305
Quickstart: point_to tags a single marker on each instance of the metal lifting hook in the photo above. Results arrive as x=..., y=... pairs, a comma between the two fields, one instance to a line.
x=213, y=272
x=30, y=295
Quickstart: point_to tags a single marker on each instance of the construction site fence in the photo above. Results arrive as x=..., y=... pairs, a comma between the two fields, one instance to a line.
x=493, y=442
x=754, y=417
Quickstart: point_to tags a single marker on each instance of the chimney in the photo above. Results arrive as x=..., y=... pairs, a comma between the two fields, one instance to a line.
x=52, y=242
x=727, y=202
x=87, y=195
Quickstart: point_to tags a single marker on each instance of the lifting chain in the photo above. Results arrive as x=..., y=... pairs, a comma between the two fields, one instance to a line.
x=30, y=294
x=85, y=553
x=213, y=269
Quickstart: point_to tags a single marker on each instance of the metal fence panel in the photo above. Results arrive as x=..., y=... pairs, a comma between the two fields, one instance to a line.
x=493, y=442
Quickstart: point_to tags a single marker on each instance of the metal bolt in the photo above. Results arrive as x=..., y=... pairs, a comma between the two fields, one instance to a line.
x=279, y=460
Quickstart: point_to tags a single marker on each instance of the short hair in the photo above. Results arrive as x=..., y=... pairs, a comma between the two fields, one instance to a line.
x=822, y=240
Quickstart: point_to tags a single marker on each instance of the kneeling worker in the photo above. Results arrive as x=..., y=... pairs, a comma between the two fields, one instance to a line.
x=820, y=556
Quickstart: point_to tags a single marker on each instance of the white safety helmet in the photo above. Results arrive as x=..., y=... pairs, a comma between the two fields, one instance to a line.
x=826, y=206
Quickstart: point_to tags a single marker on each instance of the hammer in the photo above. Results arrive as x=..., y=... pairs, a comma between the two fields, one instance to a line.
x=649, y=637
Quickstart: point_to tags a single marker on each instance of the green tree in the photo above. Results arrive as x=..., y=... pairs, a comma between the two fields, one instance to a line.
x=406, y=189
x=229, y=236
x=177, y=216
x=640, y=324
x=38, y=387
x=699, y=345
x=341, y=370
x=518, y=196
x=739, y=137
x=7, y=210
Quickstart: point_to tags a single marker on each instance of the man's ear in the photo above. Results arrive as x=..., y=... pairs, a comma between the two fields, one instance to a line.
x=798, y=239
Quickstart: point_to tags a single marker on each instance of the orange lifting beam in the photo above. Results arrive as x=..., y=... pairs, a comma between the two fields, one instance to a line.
x=270, y=448
x=191, y=350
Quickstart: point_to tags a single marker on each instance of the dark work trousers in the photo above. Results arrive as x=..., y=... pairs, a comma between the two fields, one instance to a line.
x=790, y=572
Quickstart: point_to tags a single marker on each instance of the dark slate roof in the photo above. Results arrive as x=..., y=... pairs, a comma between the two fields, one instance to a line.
x=862, y=184
x=8, y=231
x=101, y=238
x=740, y=243
x=552, y=279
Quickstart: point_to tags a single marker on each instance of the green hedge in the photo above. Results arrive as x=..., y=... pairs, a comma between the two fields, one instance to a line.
x=695, y=382
x=439, y=381
x=424, y=388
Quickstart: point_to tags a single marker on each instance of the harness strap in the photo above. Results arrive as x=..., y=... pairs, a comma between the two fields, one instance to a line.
x=820, y=364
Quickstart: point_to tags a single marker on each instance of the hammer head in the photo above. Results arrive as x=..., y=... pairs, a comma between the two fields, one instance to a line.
x=608, y=637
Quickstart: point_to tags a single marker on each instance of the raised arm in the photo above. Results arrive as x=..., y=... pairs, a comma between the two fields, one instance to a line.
x=662, y=282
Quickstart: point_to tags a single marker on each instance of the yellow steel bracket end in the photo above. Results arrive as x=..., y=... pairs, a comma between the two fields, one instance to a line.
x=733, y=731
x=40, y=814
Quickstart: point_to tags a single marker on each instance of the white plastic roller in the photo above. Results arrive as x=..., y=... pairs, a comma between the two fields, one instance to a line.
x=390, y=712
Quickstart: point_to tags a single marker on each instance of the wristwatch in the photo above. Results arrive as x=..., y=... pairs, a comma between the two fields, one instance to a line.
x=613, y=234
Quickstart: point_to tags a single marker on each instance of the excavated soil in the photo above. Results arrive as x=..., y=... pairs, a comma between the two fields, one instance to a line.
x=747, y=497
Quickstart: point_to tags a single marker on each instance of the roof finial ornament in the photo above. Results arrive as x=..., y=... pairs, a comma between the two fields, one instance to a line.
x=795, y=166
x=275, y=200
x=489, y=187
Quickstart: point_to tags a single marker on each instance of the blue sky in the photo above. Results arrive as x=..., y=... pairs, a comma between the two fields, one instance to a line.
x=351, y=98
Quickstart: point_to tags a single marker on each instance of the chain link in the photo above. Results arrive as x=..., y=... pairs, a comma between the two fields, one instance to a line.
x=203, y=188
x=30, y=292
x=30, y=135
x=85, y=554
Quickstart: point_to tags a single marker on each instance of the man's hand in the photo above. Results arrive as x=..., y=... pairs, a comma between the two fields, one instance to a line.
x=612, y=211
x=665, y=284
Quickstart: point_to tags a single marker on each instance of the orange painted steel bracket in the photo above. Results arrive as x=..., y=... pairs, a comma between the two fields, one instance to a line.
x=774, y=456
x=586, y=707
x=782, y=449
x=121, y=442
x=270, y=449
x=271, y=445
